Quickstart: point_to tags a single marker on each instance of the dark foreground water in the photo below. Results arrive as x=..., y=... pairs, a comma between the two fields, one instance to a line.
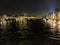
x=16, y=39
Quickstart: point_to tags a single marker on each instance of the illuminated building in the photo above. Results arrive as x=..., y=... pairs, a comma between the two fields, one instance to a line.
x=54, y=22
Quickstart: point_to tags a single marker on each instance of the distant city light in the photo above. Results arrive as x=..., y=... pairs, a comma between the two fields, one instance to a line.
x=25, y=14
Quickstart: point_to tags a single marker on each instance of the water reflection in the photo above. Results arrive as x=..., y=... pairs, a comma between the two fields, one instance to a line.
x=34, y=33
x=12, y=34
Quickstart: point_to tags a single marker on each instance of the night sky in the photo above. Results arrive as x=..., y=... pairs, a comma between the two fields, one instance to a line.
x=31, y=7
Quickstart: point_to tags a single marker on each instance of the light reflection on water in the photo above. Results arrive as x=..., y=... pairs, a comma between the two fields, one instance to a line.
x=16, y=39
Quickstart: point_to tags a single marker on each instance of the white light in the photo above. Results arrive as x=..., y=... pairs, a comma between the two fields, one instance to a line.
x=53, y=14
